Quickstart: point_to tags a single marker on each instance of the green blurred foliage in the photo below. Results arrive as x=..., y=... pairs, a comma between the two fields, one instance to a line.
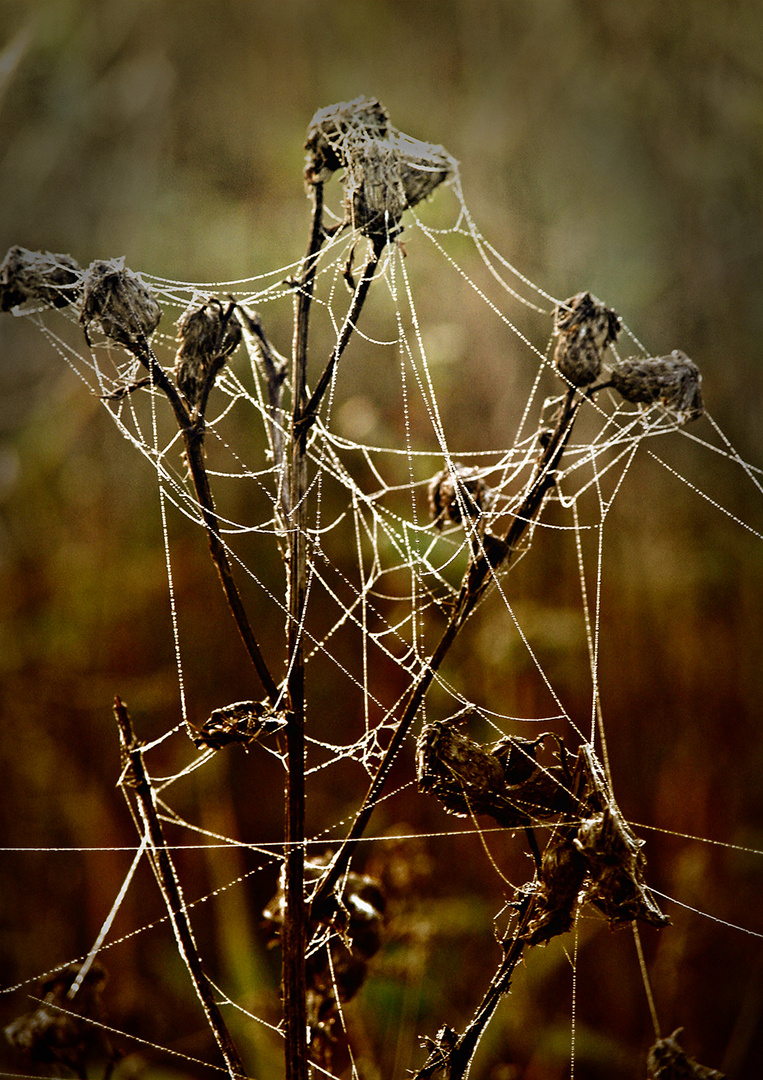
x=604, y=144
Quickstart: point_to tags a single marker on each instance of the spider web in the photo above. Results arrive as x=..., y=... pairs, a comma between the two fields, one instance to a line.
x=386, y=562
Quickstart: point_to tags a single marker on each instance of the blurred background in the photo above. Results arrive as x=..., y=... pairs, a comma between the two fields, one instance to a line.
x=604, y=145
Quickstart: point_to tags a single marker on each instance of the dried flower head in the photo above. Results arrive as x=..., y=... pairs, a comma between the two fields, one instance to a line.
x=455, y=492
x=387, y=172
x=208, y=334
x=116, y=301
x=585, y=327
x=333, y=129
x=241, y=722
x=667, y=1060
x=674, y=381
x=54, y=280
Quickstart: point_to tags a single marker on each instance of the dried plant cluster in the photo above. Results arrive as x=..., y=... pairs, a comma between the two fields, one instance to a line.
x=338, y=961
x=60, y=1033
x=386, y=172
x=329, y=919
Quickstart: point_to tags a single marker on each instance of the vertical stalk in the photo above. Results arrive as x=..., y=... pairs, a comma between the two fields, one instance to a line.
x=294, y=926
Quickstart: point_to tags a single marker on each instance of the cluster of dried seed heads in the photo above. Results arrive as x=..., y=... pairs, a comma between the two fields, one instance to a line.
x=208, y=334
x=337, y=965
x=596, y=859
x=386, y=171
x=584, y=327
x=457, y=492
x=117, y=302
x=39, y=276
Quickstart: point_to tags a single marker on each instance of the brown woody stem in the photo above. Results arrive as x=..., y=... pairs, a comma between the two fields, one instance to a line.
x=294, y=933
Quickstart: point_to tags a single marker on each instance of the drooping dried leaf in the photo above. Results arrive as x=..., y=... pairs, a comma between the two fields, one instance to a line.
x=667, y=1060
x=40, y=276
x=585, y=327
x=674, y=381
x=615, y=867
x=118, y=303
x=615, y=862
x=562, y=874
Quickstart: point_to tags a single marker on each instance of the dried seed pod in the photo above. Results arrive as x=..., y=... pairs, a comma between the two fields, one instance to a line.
x=54, y=280
x=333, y=129
x=585, y=327
x=453, y=492
x=241, y=722
x=116, y=301
x=667, y=1060
x=674, y=380
x=208, y=335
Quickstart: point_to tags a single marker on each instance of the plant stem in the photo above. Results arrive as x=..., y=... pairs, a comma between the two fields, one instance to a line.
x=294, y=934
x=308, y=415
x=192, y=432
x=167, y=879
x=476, y=579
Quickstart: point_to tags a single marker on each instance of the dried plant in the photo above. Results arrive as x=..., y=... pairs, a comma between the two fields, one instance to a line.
x=327, y=918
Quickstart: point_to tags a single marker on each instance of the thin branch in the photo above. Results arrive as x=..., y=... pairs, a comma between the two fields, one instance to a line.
x=167, y=879
x=192, y=432
x=452, y=1055
x=274, y=369
x=307, y=416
